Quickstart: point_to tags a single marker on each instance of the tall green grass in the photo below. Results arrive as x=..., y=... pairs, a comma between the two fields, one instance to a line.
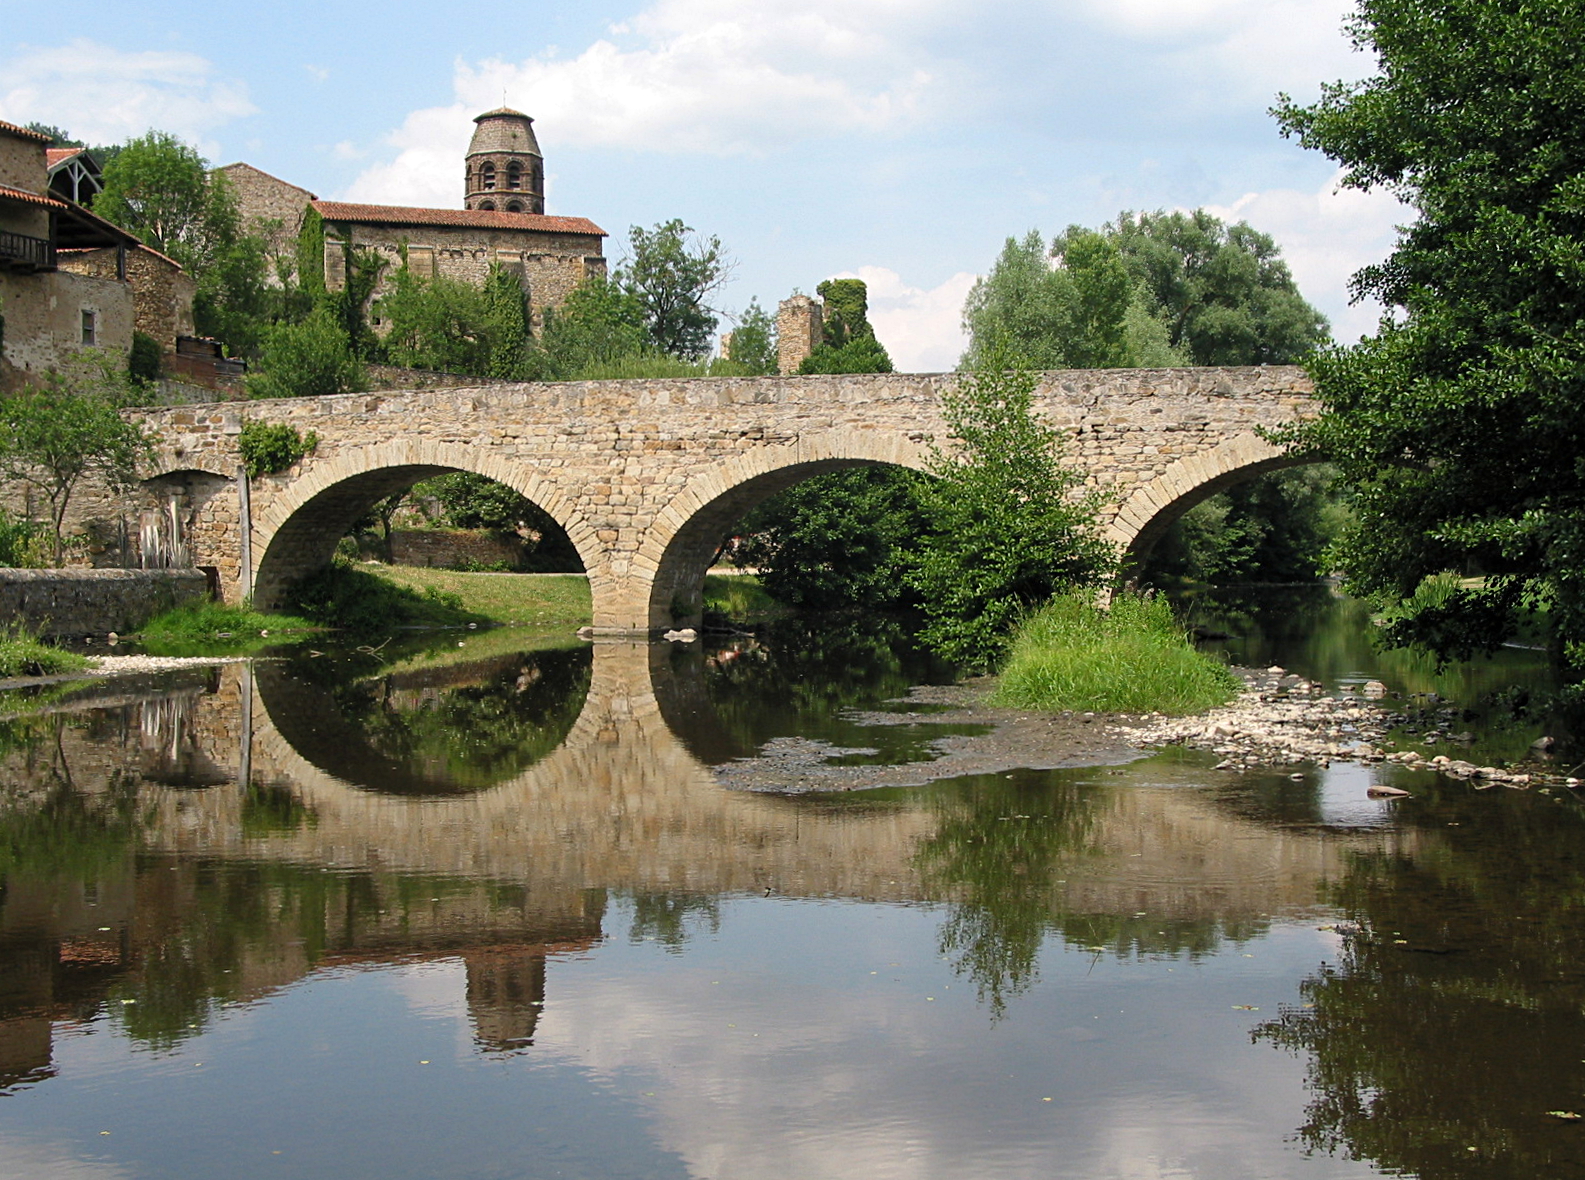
x=738, y=598
x=1133, y=658
x=211, y=628
x=23, y=654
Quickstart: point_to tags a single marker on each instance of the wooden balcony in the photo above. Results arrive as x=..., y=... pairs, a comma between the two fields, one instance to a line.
x=23, y=253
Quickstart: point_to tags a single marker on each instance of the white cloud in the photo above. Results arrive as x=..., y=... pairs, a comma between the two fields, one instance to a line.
x=1326, y=236
x=103, y=94
x=922, y=330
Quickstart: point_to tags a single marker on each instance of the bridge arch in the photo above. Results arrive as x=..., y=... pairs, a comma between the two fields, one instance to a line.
x=1149, y=511
x=687, y=532
x=297, y=533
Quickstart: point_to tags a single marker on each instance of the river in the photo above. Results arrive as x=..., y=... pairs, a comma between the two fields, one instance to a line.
x=481, y=906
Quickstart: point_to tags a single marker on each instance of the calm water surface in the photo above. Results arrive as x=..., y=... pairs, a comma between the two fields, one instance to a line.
x=481, y=911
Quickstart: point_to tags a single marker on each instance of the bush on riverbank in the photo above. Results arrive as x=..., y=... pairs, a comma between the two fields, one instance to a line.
x=1133, y=658
x=22, y=654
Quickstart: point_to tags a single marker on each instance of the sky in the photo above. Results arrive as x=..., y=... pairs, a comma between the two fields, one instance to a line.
x=901, y=141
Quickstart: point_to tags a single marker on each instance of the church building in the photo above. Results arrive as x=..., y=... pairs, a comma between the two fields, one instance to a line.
x=502, y=220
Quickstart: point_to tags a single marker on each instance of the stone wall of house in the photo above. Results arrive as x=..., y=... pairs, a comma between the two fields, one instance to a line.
x=162, y=293
x=262, y=198
x=43, y=320
x=24, y=165
x=550, y=265
x=94, y=602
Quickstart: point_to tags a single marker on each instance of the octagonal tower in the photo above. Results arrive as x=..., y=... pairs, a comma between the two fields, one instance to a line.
x=505, y=170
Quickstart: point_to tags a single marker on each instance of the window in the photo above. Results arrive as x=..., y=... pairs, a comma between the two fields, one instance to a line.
x=514, y=175
x=90, y=329
x=514, y=206
x=488, y=206
x=487, y=176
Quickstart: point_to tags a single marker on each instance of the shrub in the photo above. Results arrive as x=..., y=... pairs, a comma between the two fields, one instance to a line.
x=23, y=654
x=146, y=359
x=310, y=359
x=267, y=448
x=1132, y=658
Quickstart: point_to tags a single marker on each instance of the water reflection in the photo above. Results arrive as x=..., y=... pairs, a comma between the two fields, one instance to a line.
x=326, y=878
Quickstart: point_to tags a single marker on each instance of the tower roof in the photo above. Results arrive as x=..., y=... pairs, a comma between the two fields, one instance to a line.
x=504, y=130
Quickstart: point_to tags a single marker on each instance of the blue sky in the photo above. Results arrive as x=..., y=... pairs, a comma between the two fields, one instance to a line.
x=899, y=140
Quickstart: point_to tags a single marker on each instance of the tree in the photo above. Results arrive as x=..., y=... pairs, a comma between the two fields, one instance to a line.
x=671, y=272
x=599, y=322
x=436, y=324
x=161, y=189
x=70, y=427
x=753, y=341
x=1461, y=422
x=1009, y=523
x=506, y=326
x=310, y=359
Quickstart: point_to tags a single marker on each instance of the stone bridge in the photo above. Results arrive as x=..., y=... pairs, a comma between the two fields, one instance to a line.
x=649, y=476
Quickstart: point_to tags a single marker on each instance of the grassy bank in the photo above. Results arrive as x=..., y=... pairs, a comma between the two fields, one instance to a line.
x=22, y=654
x=1133, y=658
x=739, y=598
x=204, y=628
x=539, y=600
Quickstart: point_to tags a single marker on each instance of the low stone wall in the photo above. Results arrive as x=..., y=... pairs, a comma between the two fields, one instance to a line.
x=94, y=602
x=455, y=548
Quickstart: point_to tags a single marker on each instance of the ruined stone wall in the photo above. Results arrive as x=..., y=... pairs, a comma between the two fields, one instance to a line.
x=162, y=294
x=799, y=331
x=94, y=602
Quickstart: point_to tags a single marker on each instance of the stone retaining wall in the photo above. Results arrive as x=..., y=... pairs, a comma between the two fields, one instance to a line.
x=94, y=602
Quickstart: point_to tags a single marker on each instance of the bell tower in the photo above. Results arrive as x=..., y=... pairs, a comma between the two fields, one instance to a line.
x=505, y=171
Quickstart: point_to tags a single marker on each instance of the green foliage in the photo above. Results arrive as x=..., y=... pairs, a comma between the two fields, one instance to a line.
x=1274, y=528
x=146, y=360
x=356, y=600
x=1462, y=420
x=643, y=365
x=309, y=359
x=360, y=277
x=54, y=434
x=738, y=598
x=672, y=272
x=1010, y=524
x=311, y=254
x=838, y=540
x=267, y=448
x=23, y=544
x=1133, y=658
x=436, y=324
x=162, y=190
x=506, y=324
x=23, y=654
x=1147, y=290
x=753, y=343
x=470, y=501
x=204, y=628
x=848, y=343
x=599, y=323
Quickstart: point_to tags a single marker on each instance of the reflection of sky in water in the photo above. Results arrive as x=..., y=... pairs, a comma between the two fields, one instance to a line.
x=801, y=1039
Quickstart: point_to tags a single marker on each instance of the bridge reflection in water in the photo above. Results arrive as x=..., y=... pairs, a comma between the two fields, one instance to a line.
x=238, y=792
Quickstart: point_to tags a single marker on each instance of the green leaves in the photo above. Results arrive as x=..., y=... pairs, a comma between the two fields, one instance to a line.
x=671, y=272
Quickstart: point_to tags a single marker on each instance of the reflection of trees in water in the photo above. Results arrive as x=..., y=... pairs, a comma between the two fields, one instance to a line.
x=462, y=728
x=1003, y=850
x=1455, y=1018
x=793, y=678
x=666, y=917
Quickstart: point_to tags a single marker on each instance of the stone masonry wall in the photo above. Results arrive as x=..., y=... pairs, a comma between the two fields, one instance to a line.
x=162, y=295
x=94, y=602
x=646, y=476
x=262, y=198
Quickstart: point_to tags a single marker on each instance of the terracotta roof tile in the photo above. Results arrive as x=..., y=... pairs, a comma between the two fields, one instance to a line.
x=24, y=133
x=471, y=218
x=54, y=156
x=21, y=194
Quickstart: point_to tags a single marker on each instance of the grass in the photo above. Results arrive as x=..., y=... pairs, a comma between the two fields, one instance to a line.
x=22, y=654
x=204, y=628
x=1133, y=658
x=738, y=598
x=540, y=600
